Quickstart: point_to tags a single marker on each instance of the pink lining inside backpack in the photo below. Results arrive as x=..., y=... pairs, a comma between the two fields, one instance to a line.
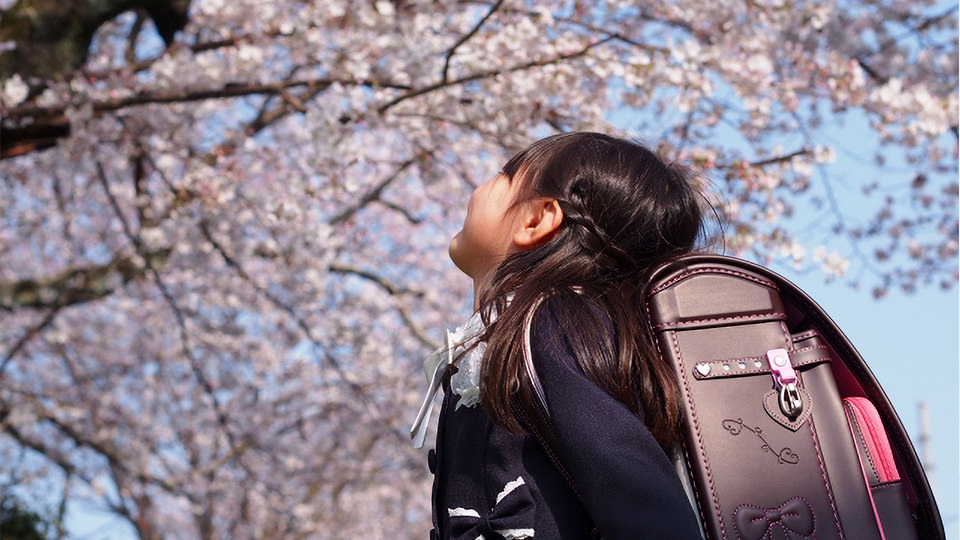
x=875, y=437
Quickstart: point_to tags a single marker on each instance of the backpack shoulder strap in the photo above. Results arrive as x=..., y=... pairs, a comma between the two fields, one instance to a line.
x=539, y=425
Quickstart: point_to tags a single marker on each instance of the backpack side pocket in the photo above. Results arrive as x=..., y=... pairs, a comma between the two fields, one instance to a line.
x=879, y=469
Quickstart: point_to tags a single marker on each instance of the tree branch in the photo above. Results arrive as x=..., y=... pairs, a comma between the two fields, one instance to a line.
x=593, y=28
x=240, y=271
x=78, y=285
x=372, y=195
x=394, y=291
x=489, y=73
x=130, y=55
x=53, y=37
x=27, y=336
x=770, y=161
x=181, y=321
x=414, y=220
x=463, y=39
x=229, y=90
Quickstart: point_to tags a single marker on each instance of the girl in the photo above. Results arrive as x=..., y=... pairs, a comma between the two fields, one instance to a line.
x=559, y=245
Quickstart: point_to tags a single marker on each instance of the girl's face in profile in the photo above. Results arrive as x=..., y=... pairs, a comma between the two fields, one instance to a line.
x=487, y=234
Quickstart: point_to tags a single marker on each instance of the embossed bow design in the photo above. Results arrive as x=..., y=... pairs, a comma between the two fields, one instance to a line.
x=794, y=516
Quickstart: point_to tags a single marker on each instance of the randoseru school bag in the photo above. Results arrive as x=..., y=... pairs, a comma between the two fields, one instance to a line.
x=787, y=433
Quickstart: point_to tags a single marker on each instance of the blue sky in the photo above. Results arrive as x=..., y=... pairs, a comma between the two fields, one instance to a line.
x=911, y=345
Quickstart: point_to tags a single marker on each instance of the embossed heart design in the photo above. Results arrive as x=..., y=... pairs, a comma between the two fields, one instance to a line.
x=788, y=456
x=785, y=455
x=733, y=426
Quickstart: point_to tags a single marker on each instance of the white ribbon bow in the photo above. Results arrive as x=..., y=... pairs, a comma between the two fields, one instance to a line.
x=465, y=382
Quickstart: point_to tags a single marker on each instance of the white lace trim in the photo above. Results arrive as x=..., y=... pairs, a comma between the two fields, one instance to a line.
x=465, y=382
x=463, y=512
x=509, y=488
x=507, y=534
x=515, y=534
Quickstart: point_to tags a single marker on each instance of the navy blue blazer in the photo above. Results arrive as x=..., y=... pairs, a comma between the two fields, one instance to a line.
x=491, y=483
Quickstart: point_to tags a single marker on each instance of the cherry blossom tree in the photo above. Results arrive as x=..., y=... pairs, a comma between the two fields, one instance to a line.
x=223, y=252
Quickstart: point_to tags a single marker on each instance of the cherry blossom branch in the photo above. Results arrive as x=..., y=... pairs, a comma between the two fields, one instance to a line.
x=229, y=90
x=600, y=30
x=394, y=291
x=105, y=449
x=242, y=273
x=465, y=124
x=841, y=226
x=203, y=46
x=44, y=131
x=923, y=24
x=80, y=284
x=130, y=55
x=178, y=314
x=372, y=195
x=63, y=461
x=770, y=161
x=463, y=39
x=72, y=286
x=414, y=220
x=27, y=336
x=50, y=453
x=32, y=137
x=489, y=73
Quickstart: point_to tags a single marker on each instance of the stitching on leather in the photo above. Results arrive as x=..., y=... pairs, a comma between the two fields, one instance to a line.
x=813, y=515
x=786, y=333
x=686, y=453
x=823, y=474
x=807, y=334
x=859, y=433
x=775, y=315
x=885, y=485
x=696, y=425
x=878, y=444
x=889, y=483
x=715, y=270
x=875, y=395
x=755, y=370
x=764, y=358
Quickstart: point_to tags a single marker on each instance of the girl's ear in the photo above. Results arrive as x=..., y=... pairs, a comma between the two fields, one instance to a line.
x=540, y=218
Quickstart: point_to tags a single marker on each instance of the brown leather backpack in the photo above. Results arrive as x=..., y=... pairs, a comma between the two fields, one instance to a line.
x=787, y=434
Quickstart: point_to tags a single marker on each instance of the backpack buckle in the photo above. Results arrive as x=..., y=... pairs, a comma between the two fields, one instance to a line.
x=785, y=378
x=790, y=402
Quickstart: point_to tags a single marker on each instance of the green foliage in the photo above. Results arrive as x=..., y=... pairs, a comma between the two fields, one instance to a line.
x=18, y=523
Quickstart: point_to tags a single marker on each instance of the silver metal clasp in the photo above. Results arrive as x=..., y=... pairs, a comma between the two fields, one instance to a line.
x=790, y=402
x=785, y=378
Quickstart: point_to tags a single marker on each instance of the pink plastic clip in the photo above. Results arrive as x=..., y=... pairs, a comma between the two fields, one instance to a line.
x=780, y=367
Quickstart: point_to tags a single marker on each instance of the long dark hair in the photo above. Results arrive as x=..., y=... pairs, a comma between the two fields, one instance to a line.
x=625, y=211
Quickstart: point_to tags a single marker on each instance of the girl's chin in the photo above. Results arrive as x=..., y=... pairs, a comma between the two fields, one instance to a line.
x=455, y=252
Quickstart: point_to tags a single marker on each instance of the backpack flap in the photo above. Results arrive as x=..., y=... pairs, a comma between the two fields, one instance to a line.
x=768, y=443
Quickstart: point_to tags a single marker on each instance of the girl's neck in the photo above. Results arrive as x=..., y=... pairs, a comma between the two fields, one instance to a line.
x=477, y=286
x=480, y=284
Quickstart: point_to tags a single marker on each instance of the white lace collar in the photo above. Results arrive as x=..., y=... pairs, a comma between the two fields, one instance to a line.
x=466, y=381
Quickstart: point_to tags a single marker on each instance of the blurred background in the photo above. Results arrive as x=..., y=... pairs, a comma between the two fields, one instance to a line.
x=223, y=244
